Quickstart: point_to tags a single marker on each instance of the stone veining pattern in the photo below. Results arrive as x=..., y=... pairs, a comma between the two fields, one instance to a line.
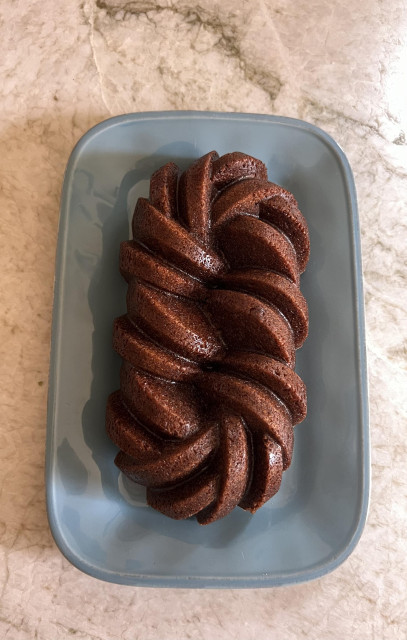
x=65, y=67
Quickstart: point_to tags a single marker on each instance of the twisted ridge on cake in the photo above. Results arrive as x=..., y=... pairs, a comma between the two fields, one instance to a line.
x=208, y=393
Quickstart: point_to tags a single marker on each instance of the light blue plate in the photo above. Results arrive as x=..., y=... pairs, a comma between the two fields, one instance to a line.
x=100, y=523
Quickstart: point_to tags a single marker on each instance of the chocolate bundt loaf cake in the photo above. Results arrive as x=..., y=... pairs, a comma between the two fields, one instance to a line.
x=208, y=394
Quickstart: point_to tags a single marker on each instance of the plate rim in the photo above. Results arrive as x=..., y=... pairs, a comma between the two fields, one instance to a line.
x=257, y=580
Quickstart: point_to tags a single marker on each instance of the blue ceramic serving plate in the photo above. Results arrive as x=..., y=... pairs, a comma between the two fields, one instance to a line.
x=100, y=522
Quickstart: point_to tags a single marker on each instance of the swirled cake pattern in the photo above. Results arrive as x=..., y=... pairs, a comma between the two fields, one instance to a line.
x=208, y=393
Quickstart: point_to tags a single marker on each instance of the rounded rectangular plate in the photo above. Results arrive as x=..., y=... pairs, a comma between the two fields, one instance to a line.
x=100, y=522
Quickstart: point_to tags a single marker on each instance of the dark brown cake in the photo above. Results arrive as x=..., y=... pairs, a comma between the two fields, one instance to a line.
x=208, y=394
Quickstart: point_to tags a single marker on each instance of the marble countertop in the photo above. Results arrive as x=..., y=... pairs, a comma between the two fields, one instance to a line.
x=66, y=66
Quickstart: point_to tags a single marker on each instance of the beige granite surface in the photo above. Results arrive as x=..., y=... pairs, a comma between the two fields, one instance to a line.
x=64, y=66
